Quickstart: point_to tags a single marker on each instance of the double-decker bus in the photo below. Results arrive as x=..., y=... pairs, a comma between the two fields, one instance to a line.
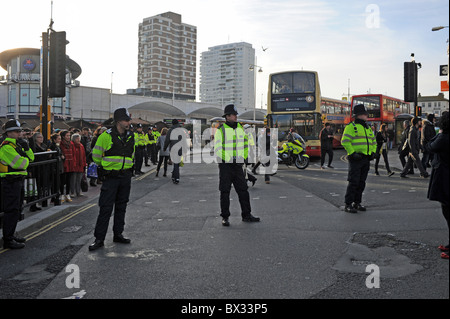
x=294, y=101
x=337, y=113
x=382, y=109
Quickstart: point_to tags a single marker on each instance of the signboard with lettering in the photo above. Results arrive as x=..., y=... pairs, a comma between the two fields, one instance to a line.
x=443, y=70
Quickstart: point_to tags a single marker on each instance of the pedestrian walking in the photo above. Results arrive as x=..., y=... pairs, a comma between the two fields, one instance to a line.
x=359, y=142
x=326, y=145
x=15, y=156
x=231, y=150
x=266, y=151
x=428, y=132
x=67, y=149
x=403, y=147
x=382, y=139
x=79, y=165
x=414, y=149
x=251, y=159
x=113, y=153
x=163, y=155
x=175, y=136
x=439, y=186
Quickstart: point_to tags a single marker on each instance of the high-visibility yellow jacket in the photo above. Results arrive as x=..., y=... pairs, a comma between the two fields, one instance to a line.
x=13, y=159
x=231, y=144
x=113, y=152
x=139, y=139
x=146, y=139
x=154, y=138
x=358, y=139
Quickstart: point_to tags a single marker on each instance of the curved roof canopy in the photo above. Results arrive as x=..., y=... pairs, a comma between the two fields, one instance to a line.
x=210, y=111
x=8, y=55
x=160, y=107
x=259, y=116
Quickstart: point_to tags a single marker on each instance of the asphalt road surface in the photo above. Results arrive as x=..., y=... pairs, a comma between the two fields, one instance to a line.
x=305, y=246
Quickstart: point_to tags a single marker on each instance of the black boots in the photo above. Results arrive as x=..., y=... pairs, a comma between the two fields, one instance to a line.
x=117, y=239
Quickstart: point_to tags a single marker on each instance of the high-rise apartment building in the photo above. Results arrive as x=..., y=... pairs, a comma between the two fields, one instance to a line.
x=167, y=57
x=225, y=76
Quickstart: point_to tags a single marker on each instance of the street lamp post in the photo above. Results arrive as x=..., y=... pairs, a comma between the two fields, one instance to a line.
x=252, y=67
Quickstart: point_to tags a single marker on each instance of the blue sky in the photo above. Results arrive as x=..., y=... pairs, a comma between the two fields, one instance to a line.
x=365, y=42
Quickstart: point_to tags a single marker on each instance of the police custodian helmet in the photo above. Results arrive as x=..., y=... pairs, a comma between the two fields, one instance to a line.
x=12, y=125
x=359, y=109
x=230, y=109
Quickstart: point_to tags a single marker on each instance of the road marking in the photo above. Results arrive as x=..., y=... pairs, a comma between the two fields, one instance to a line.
x=52, y=225
x=139, y=178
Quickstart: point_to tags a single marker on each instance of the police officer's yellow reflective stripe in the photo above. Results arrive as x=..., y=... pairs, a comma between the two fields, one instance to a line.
x=231, y=143
x=12, y=163
x=359, y=139
x=103, y=144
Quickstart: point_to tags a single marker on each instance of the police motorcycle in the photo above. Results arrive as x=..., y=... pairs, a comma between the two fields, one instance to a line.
x=294, y=152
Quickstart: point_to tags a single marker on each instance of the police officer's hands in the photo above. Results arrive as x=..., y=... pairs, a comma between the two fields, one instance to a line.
x=372, y=156
x=355, y=156
x=23, y=142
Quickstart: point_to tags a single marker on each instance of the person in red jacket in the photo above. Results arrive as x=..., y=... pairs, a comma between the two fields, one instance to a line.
x=67, y=149
x=79, y=165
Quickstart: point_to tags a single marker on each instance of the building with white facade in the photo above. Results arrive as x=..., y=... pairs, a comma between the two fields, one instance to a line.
x=435, y=104
x=226, y=77
x=167, y=57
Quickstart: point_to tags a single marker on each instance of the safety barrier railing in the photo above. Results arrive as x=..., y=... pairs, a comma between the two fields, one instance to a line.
x=42, y=182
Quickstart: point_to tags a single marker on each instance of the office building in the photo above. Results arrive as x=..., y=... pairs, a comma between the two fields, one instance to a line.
x=226, y=76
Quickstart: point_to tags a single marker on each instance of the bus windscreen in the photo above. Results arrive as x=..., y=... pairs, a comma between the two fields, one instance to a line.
x=294, y=91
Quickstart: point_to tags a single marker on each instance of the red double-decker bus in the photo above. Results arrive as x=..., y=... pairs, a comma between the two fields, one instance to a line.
x=382, y=109
x=337, y=113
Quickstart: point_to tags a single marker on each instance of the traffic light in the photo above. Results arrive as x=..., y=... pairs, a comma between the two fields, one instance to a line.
x=418, y=111
x=410, y=81
x=57, y=65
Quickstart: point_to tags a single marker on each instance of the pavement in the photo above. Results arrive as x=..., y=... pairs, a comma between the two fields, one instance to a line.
x=304, y=247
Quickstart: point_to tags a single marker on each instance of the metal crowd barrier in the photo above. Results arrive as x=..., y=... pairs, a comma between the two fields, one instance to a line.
x=42, y=182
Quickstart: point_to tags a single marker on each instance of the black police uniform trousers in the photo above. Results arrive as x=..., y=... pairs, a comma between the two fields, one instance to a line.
x=139, y=158
x=114, y=194
x=233, y=174
x=357, y=175
x=12, y=198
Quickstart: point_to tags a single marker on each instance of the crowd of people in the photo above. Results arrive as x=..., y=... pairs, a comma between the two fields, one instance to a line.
x=73, y=147
x=77, y=149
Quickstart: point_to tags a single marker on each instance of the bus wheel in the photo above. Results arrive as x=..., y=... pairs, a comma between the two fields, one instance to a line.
x=301, y=162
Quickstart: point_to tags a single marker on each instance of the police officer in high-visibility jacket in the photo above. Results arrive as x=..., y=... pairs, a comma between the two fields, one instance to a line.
x=360, y=143
x=113, y=153
x=15, y=156
x=231, y=150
